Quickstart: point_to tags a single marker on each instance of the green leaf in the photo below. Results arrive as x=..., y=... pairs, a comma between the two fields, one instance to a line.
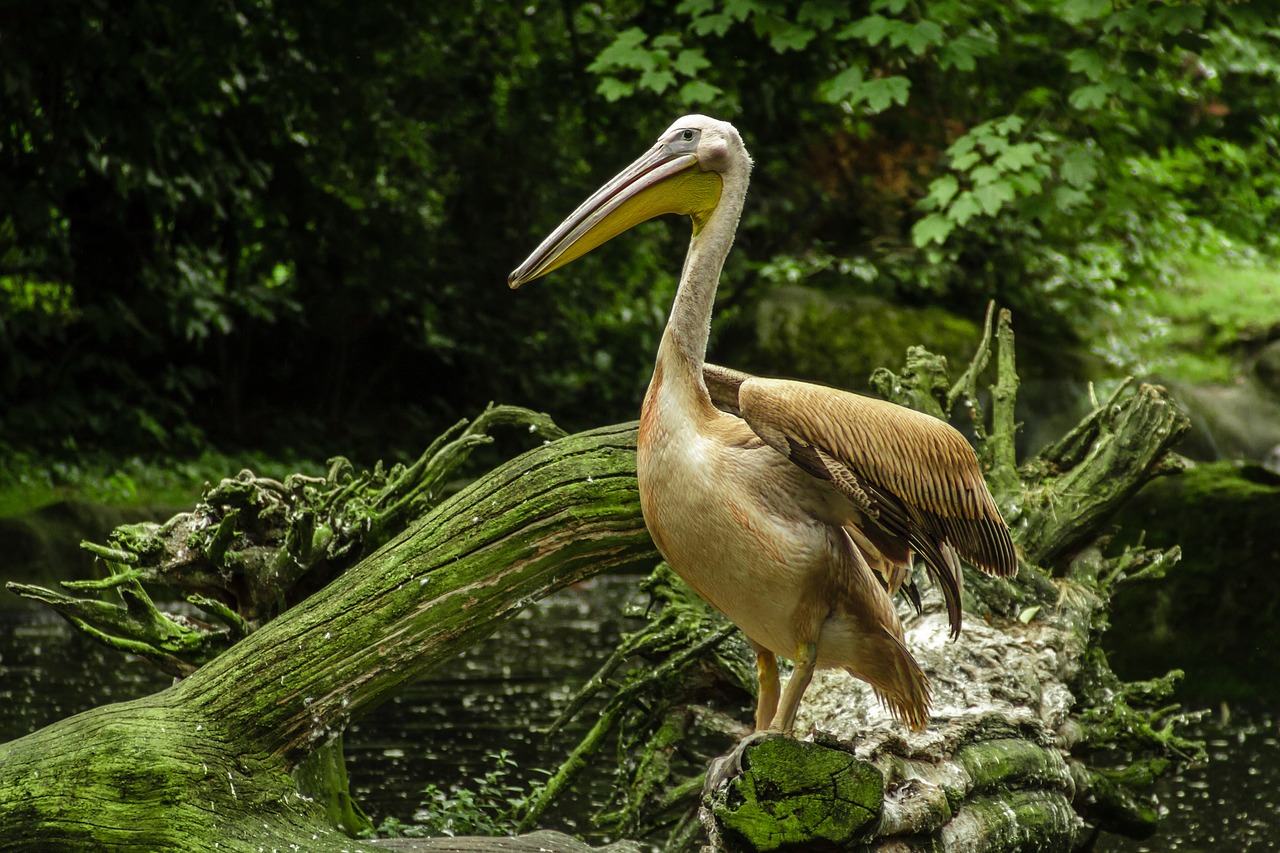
x=1078, y=167
x=740, y=10
x=879, y=94
x=716, y=25
x=623, y=52
x=893, y=7
x=782, y=34
x=1176, y=19
x=656, y=80
x=961, y=53
x=1028, y=613
x=1067, y=197
x=698, y=92
x=922, y=36
x=1089, y=97
x=1019, y=156
x=1025, y=182
x=611, y=89
x=821, y=14
x=934, y=228
x=964, y=208
x=993, y=144
x=1086, y=61
x=993, y=196
x=665, y=41
x=984, y=175
x=1077, y=11
x=1009, y=124
x=941, y=191
x=689, y=62
x=965, y=162
x=841, y=86
x=871, y=29
x=695, y=8
x=1126, y=21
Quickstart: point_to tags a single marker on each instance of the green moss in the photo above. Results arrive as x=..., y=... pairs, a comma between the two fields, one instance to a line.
x=1010, y=762
x=1193, y=330
x=795, y=795
x=1032, y=821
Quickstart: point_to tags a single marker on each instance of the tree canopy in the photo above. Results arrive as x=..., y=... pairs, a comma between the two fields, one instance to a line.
x=273, y=220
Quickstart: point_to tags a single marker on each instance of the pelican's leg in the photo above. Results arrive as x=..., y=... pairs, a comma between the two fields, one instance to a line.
x=806, y=657
x=767, y=677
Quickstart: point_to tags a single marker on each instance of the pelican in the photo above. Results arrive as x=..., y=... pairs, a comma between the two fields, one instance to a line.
x=794, y=509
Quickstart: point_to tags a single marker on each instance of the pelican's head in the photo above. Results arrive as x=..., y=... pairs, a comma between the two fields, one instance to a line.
x=683, y=172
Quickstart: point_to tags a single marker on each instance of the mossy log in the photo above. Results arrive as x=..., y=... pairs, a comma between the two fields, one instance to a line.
x=206, y=763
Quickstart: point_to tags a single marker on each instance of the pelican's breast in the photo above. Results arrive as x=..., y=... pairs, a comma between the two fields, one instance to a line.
x=716, y=501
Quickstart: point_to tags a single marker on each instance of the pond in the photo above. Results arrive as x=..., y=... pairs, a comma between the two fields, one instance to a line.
x=447, y=727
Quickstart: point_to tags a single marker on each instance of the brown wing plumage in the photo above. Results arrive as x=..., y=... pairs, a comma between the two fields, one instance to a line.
x=913, y=474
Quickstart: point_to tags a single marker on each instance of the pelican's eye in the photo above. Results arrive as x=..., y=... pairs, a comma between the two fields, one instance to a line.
x=686, y=135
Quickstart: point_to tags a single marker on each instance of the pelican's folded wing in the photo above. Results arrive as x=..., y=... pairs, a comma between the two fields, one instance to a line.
x=914, y=475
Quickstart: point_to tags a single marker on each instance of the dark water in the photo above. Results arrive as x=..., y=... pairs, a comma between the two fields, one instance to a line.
x=445, y=728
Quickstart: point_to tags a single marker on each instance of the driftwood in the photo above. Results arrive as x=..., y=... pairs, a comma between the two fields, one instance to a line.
x=1034, y=741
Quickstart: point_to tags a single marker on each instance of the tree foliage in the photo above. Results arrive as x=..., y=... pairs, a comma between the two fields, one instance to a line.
x=273, y=221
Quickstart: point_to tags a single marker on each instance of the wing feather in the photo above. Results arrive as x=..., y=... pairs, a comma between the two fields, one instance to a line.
x=915, y=475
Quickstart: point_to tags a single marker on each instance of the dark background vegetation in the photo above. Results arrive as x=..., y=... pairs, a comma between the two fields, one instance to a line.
x=286, y=225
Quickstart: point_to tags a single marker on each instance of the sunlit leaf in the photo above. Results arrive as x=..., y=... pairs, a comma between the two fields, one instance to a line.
x=1086, y=61
x=611, y=88
x=1077, y=11
x=698, y=92
x=993, y=196
x=1019, y=156
x=934, y=228
x=871, y=29
x=984, y=174
x=842, y=86
x=657, y=80
x=941, y=191
x=881, y=93
x=624, y=52
x=690, y=61
x=964, y=208
x=922, y=36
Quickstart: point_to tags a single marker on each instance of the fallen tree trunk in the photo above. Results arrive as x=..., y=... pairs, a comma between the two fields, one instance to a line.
x=206, y=764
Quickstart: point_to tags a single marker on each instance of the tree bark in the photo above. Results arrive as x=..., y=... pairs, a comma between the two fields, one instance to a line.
x=207, y=762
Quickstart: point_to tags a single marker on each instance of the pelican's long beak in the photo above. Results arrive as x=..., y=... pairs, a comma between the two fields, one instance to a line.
x=662, y=181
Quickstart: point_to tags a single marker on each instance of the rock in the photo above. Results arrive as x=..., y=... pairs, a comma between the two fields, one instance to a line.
x=1239, y=421
x=1266, y=368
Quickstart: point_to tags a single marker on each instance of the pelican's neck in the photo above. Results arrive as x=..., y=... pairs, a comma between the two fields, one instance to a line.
x=684, y=343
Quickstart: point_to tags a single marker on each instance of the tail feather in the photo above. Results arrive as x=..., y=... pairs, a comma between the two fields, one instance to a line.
x=896, y=678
